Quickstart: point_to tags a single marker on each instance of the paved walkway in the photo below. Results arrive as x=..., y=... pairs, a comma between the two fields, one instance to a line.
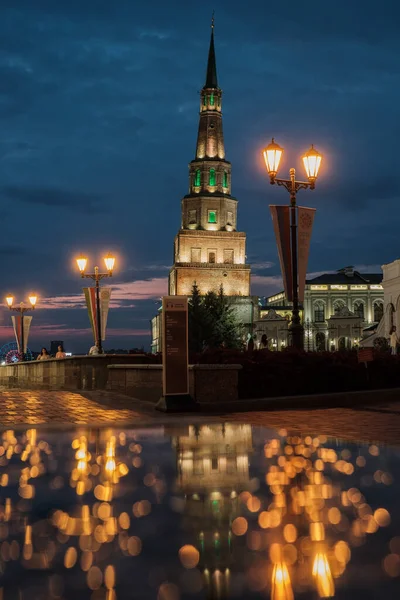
x=367, y=423
x=42, y=407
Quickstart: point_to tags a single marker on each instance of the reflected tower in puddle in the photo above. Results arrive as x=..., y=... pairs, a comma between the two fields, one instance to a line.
x=213, y=469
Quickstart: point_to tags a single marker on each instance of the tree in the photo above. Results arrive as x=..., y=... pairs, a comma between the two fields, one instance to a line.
x=212, y=323
x=197, y=320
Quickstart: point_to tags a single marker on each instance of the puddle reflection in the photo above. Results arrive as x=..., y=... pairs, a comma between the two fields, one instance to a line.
x=206, y=511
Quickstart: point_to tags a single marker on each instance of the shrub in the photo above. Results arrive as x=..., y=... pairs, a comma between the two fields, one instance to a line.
x=288, y=373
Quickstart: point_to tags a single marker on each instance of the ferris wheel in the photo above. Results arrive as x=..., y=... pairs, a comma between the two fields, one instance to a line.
x=9, y=353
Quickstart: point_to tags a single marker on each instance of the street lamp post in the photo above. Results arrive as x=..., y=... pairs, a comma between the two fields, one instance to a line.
x=96, y=276
x=22, y=309
x=312, y=161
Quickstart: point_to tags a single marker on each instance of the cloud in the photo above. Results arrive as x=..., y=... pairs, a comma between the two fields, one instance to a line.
x=56, y=198
x=262, y=265
x=266, y=286
x=147, y=289
x=65, y=331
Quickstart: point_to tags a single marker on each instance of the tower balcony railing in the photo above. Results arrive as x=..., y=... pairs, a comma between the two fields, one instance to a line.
x=217, y=265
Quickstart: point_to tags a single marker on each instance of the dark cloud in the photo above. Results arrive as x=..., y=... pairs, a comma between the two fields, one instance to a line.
x=53, y=198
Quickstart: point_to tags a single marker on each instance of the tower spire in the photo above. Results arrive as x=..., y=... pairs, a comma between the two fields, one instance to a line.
x=211, y=77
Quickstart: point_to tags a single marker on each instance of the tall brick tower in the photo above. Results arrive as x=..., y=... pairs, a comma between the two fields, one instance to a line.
x=208, y=248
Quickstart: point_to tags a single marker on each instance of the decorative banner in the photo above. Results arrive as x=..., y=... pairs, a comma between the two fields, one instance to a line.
x=281, y=221
x=17, y=324
x=90, y=297
x=175, y=353
x=305, y=219
x=105, y=295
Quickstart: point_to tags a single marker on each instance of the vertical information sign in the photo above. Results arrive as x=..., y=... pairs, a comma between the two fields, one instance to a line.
x=175, y=346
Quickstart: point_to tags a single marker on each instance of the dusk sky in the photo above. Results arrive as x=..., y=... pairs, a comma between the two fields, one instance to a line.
x=98, y=120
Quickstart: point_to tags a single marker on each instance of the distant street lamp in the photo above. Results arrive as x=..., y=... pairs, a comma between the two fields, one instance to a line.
x=312, y=162
x=22, y=309
x=109, y=261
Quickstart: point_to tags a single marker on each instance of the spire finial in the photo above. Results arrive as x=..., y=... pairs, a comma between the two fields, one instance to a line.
x=211, y=77
x=212, y=19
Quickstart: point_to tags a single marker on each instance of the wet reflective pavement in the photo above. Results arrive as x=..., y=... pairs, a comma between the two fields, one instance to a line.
x=218, y=510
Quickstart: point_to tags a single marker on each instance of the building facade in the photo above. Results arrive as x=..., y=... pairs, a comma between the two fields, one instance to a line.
x=208, y=249
x=337, y=308
x=391, y=288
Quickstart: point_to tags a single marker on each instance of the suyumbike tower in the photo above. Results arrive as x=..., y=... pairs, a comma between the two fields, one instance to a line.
x=208, y=248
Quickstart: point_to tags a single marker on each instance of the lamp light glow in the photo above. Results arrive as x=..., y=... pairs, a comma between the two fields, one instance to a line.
x=82, y=262
x=10, y=301
x=109, y=261
x=33, y=300
x=281, y=588
x=323, y=577
x=312, y=162
x=272, y=157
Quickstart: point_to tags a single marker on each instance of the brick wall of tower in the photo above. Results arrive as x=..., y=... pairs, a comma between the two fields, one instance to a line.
x=235, y=281
x=221, y=243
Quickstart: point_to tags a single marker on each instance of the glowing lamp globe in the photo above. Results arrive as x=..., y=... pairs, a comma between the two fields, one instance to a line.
x=272, y=157
x=81, y=262
x=33, y=300
x=9, y=300
x=312, y=162
x=109, y=262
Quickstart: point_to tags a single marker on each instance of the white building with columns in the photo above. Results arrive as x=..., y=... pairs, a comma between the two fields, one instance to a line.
x=337, y=308
x=391, y=290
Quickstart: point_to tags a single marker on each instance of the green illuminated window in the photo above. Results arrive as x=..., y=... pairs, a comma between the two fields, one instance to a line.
x=212, y=179
x=212, y=100
x=212, y=216
x=197, y=178
x=225, y=182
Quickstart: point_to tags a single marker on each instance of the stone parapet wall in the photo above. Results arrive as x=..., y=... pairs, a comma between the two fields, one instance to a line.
x=207, y=383
x=72, y=373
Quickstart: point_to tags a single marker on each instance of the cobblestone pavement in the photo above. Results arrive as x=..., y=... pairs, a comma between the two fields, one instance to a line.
x=39, y=407
x=367, y=423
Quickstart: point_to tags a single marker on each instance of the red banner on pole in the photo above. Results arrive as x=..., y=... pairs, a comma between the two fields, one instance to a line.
x=17, y=325
x=281, y=221
x=305, y=219
x=90, y=297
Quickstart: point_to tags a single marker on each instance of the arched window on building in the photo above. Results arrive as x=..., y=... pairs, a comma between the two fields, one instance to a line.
x=197, y=178
x=378, y=310
x=319, y=311
x=359, y=309
x=204, y=100
x=338, y=305
x=211, y=99
x=225, y=180
x=212, y=178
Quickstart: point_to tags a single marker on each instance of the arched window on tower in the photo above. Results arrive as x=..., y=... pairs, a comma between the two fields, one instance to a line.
x=211, y=99
x=204, y=100
x=212, y=178
x=197, y=178
x=225, y=180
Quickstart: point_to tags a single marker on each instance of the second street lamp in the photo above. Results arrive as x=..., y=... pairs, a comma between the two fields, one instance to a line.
x=22, y=309
x=109, y=261
x=312, y=162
